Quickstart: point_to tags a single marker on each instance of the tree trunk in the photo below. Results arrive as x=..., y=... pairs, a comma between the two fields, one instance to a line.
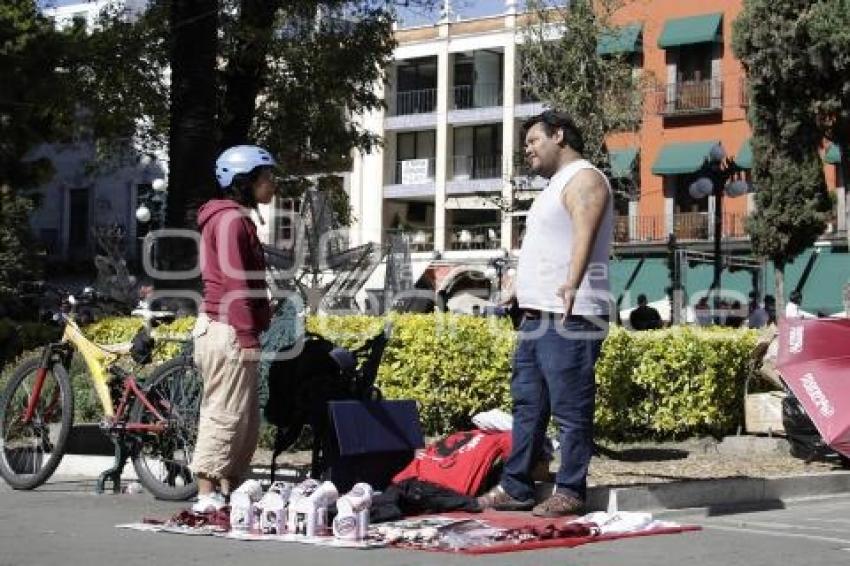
x=844, y=167
x=779, y=275
x=192, y=136
x=246, y=67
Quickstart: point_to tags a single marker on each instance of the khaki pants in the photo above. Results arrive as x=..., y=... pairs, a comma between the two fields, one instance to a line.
x=229, y=424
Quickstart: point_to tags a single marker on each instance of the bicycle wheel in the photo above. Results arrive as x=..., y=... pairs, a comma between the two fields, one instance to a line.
x=30, y=452
x=162, y=460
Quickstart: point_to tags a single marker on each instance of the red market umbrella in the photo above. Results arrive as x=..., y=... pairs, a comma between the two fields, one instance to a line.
x=814, y=361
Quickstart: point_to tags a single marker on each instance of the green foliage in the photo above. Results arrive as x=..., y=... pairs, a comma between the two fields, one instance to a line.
x=121, y=65
x=328, y=69
x=660, y=384
x=33, y=94
x=600, y=92
x=115, y=330
x=792, y=202
x=672, y=383
x=287, y=75
x=783, y=58
x=19, y=255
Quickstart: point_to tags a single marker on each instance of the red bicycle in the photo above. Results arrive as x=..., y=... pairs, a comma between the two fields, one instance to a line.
x=153, y=422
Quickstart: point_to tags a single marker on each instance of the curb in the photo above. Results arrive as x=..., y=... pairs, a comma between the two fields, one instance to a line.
x=717, y=495
x=712, y=496
x=76, y=465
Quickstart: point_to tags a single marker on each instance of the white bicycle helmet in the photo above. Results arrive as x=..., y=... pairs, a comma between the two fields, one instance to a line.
x=240, y=159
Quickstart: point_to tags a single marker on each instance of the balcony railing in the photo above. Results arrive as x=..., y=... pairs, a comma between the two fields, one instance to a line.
x=691, y=225
x=419, y=239
x=638, y=229
x=415, y=171
x=477, y=96
x=477, y=167
x=734, y=225
x=690, y=97
x=415, y=101
x=478, y=237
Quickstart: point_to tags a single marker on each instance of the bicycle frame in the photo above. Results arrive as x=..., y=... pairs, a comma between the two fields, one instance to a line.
x=97, y=360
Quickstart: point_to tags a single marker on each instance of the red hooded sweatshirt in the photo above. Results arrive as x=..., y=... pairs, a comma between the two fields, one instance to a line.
x=233, y=270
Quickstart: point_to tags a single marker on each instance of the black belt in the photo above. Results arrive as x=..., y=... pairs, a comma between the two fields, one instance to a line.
x=534, y=314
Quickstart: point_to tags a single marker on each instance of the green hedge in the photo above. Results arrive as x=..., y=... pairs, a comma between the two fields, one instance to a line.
x=672, y=383
x=662, y=384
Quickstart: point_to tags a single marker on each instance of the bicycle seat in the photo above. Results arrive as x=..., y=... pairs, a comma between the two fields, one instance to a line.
x=120, y=349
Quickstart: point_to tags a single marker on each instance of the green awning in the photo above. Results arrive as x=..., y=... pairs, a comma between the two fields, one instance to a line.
x=623, y=162
x=682, y=158
x=627, y=39
x=706, y=28
x=833, y=155
x=744, y=158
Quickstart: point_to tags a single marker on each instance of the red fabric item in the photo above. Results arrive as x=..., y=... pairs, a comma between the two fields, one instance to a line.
x=233, y=270
x=571, y=542
x=459, y=462
x=813, y=358
x=546, y=527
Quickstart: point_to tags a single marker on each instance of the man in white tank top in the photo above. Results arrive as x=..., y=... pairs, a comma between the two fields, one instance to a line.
x=562, y=290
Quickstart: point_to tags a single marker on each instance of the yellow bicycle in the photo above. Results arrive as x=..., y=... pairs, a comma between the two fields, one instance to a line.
x=154, y=422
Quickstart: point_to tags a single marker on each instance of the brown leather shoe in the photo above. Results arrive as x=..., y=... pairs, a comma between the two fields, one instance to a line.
x=559, y=505
x=500, y=500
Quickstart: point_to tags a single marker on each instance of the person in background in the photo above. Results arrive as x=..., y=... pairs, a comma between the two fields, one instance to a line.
x=476, y=310
x=721, y=311
x=735, y=316
x=770, y=307
x=702, y=312
x=793, y=310
x=644, y=317
x=758, y=317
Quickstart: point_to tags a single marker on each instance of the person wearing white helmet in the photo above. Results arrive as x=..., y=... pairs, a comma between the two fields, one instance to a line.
x=235, y=311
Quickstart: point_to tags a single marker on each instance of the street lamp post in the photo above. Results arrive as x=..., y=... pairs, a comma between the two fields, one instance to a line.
x=497, y=267
x=152, y=210
x=720, y=176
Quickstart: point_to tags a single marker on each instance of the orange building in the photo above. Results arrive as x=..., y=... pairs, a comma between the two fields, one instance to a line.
x=452, y=128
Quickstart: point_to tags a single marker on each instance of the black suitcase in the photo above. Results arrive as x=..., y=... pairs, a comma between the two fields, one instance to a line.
x=370, y=441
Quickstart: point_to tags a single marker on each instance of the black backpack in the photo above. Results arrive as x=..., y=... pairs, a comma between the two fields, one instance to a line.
x=301, y=385
x=806, y=442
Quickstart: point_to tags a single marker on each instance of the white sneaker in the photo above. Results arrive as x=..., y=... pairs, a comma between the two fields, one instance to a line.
x=209, y=503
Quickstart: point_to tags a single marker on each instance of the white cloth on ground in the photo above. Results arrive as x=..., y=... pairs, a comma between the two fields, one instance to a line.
x=622, y=522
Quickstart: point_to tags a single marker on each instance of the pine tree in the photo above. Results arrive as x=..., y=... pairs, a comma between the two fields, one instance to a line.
x=772, y=42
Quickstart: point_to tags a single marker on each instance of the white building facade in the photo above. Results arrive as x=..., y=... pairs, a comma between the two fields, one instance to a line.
x=451, y=135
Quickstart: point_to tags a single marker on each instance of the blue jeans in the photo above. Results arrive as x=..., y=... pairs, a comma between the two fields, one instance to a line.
x=553, y=375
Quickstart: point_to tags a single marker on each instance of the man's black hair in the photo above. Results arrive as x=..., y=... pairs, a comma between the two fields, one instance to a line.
x=553, y=121
x=641, y=299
